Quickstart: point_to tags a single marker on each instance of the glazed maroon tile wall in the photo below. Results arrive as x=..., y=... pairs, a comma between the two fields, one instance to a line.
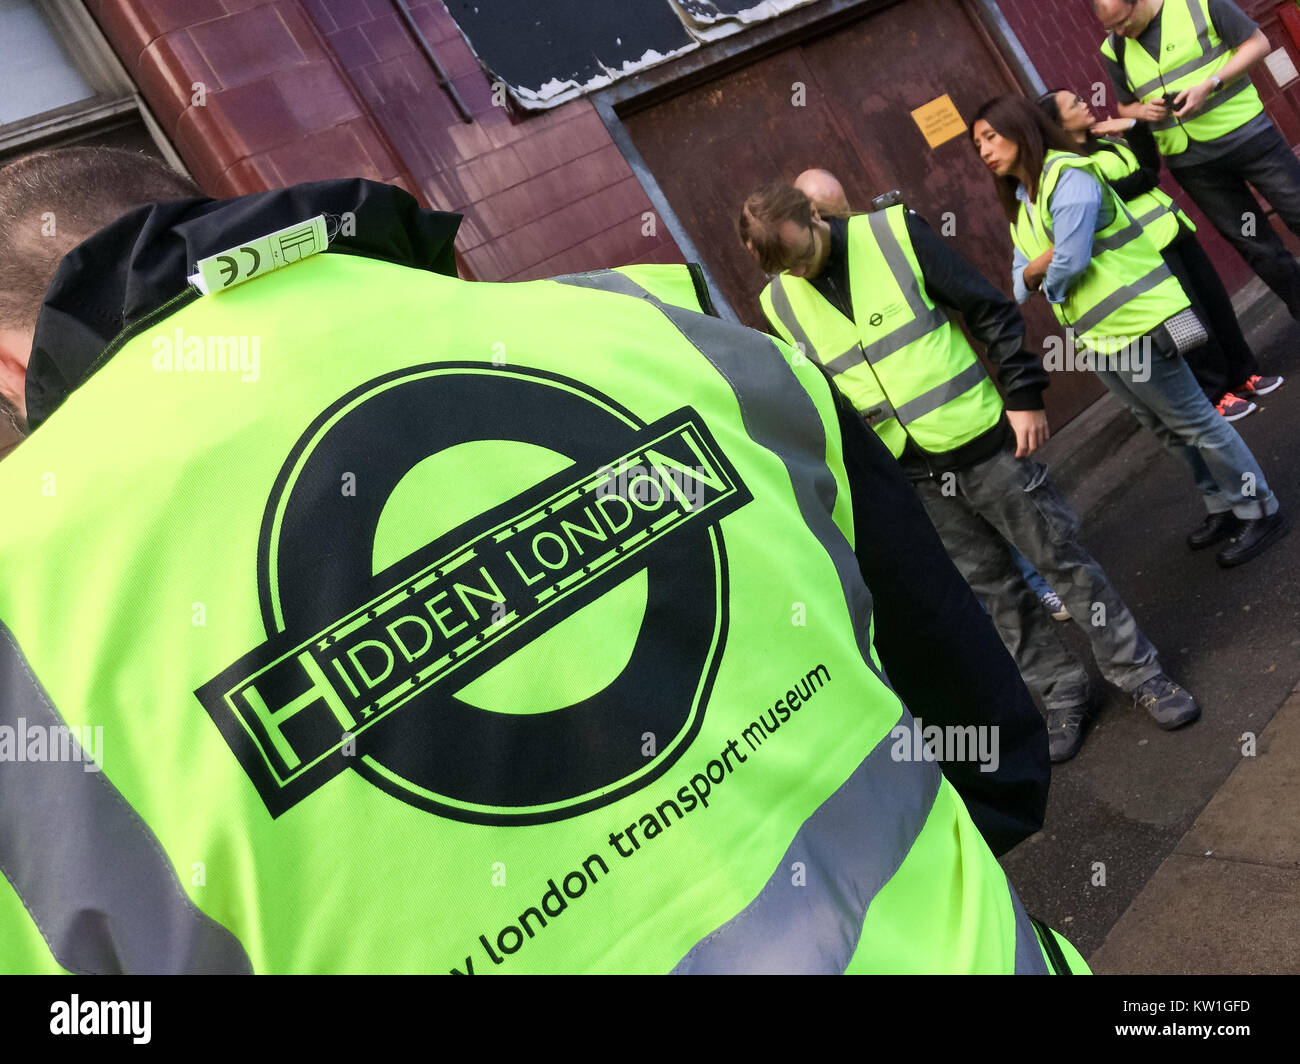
x=258, y=93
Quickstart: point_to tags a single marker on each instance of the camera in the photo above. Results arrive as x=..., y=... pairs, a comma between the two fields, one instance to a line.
x=889, y=199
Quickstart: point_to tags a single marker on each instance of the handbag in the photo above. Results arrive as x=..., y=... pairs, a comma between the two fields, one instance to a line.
x=1180, y=334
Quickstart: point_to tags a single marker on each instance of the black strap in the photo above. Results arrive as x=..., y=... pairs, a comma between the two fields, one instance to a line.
x=702, y=288
x=1053, y=948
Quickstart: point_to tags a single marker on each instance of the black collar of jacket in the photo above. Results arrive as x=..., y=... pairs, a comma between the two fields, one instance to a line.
x=838, y=256
x=126, y=271
x=833, y=281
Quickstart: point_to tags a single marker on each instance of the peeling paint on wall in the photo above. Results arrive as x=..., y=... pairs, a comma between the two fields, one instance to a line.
x=547, y=54
x=711, y=19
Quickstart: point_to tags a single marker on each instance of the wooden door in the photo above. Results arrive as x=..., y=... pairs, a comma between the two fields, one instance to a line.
x=843, y=101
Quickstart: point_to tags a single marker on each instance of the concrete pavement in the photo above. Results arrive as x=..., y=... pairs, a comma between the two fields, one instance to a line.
x=1170, y=851
x=1227, y=900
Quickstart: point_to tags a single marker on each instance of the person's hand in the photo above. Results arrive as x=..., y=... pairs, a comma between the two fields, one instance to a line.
x=1030, y=427
x=1036, y=270
x=1107, y=126
x=1154, y=111
x=1189, y=101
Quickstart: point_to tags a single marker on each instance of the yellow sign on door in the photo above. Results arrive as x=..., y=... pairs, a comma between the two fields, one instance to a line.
x=939, y=121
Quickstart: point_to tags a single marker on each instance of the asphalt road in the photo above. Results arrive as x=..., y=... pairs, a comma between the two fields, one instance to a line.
x=1232, y=637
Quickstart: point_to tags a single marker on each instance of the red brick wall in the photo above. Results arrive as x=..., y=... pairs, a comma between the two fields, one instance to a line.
x=299, y=90
x=544, y=194
x=1062, y=37
x=276, y=107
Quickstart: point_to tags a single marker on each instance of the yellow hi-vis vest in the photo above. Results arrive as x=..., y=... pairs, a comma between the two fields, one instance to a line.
x=1191, y=51
x=905, y=367
x=1126, y=291
x=1155, y=210
x=451, y=633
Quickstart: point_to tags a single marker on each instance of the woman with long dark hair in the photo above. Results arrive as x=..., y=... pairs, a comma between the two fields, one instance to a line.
x=1225, y=367
x=1107, y=285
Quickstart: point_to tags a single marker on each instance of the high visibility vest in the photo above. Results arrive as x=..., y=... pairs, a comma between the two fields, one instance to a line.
x=1191, y=51
x=902, y=363
x=448, y=633
x=1126, y=291
x=1155, y=210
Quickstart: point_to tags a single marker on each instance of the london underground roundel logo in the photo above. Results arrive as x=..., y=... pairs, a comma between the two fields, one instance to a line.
x=471, y=581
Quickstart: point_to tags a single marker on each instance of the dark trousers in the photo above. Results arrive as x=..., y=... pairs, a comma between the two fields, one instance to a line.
x=1226, y=360
x=1219, y=189
x=1004, y=501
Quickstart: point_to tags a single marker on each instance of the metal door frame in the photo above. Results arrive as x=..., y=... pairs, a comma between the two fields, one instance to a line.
x=650, y=87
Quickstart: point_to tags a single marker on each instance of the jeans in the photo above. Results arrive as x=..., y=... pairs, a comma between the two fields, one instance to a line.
x=1032, y=576
x=1171, y=404
x=1219, y=189
x=979, y=513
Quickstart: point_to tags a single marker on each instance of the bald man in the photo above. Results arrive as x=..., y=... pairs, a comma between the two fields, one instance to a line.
x=825, y=191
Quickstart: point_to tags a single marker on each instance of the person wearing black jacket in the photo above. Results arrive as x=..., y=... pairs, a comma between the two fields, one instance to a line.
x=987, y=494
x=920, y=617
x=1225, y=367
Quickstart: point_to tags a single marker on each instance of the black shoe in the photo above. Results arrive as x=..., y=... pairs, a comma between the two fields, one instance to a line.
x=1217, y=527
x=1170, y=705
x=1252, y=538
x=1065, y=732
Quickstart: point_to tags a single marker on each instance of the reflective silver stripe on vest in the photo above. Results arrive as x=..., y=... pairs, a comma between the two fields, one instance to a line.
x=1198, y=22
x=1118, y=298
x=851, y=359
x=1183, y=69
x=779, y=415
x=1223, y=97
x=1146, y=219
x=882, y=411
x=780, y=306
x=851, y=846
x=925, y=319
x=784, y=311
x=1208, y=54
x=1048, y=167
x=1129, y=233
x=811, y=929
x=1217, y=100
x=928, y=402
x=92, y=875
x=1029, y=954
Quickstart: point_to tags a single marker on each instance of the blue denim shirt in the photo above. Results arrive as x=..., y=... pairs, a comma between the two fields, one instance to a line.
x=1078, y=211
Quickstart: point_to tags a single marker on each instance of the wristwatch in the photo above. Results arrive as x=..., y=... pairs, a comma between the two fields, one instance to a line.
x=1218, y=82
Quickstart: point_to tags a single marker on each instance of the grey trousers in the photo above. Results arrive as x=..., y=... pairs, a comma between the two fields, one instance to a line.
x=977, y=511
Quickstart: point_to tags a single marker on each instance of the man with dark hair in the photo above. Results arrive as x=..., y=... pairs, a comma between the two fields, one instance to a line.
x=829, y=199
x=867, y=299
x=1216, y=138
x=470, y=582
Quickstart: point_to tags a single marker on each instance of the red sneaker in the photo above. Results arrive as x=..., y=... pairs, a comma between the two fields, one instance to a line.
x=1259, y=385
x=1234, y=409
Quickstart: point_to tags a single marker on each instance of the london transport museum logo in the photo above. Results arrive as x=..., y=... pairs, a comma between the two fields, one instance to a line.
x=366, y=665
